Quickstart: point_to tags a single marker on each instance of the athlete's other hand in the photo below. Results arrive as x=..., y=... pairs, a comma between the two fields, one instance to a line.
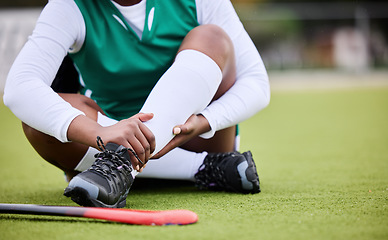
x=194, y=126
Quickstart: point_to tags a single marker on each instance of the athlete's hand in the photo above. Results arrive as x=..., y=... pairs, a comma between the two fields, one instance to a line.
x=132, y=133
x=194, y=126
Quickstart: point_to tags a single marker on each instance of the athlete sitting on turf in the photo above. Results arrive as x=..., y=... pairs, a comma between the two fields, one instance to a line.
x=167, y=80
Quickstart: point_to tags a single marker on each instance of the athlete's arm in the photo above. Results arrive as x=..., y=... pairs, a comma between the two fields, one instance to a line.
x=29, y=95
x=250, y=93
x=27, y=91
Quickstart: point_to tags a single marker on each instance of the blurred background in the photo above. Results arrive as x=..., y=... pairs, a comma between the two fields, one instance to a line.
x=349, y=35
x=326, y=37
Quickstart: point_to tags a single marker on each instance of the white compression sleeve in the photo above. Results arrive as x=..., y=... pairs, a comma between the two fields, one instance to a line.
x=186, y=88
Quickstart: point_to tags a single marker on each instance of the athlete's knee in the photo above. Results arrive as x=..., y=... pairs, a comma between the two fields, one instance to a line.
x=211, y=40
x=212, y=36
x=82, y=103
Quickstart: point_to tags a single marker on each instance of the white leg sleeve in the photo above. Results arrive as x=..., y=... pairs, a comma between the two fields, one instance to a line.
x=186, y=88
x=178, y=164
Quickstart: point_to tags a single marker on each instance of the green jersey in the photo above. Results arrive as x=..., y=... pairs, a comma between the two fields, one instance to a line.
x=117, y=68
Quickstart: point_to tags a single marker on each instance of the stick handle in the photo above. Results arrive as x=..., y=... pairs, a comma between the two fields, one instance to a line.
x=41, y=210
x=137, y=217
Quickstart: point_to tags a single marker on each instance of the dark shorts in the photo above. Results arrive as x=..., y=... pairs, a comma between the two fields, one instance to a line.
x=67, y=79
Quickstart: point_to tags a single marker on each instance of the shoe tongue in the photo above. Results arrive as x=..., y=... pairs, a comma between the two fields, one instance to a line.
x=115, y=148
x=112, y=146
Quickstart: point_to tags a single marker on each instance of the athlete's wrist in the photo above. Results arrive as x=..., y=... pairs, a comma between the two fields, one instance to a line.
x=84, y=130
x=211, y=125
x=204, y=124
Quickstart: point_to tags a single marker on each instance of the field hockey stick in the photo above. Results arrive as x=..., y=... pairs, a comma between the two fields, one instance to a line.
x=129, y=216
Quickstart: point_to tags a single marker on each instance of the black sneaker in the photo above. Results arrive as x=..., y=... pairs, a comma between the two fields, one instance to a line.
x=107, y=182
x=233, y=172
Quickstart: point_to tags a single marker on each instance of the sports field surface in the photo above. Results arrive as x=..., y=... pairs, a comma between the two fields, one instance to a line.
x=322, y=155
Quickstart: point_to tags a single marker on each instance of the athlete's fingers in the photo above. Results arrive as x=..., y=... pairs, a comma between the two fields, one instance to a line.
x=144, y=117
x=139, y=136
x=132, y=138
x=147, y=142
x=194, y=126
x=139, y=150
x=182, y=129
x=175, y=142
x=177, y=130
x=131, y=133
x=150, y=137
x=144, y=147
x=188, y=127
x=142, y=168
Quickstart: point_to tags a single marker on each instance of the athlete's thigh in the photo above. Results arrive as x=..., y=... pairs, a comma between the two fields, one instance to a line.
x=65, y=156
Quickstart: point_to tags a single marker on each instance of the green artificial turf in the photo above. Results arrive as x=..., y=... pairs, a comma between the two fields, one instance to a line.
x=322, y=157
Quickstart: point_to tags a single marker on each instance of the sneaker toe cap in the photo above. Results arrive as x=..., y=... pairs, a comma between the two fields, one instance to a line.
x=249, y=179
x=78, y=182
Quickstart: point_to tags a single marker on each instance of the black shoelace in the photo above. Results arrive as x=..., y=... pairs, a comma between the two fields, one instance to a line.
x=108, y=161
x=101, y=146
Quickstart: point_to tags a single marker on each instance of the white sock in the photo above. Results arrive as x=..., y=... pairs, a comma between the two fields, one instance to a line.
x=186, y=88
x=178, y=164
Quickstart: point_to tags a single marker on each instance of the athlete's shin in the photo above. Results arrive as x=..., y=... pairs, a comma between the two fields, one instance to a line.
x=186, y=88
